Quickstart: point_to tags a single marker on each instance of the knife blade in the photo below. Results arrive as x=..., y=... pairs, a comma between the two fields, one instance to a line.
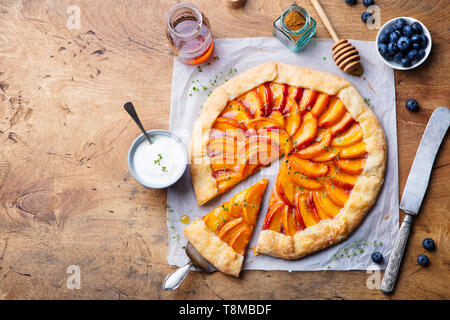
x=415, y=189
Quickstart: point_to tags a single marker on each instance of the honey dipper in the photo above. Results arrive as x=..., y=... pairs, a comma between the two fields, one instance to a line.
x=345, y=54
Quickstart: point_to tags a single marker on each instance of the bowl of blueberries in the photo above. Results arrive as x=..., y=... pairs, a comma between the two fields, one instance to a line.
x=403, y=43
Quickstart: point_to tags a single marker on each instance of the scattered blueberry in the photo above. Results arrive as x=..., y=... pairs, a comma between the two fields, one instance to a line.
x=382, y=49
x=399, y=24
x=383, y=38
x=403, y=43
x=413, y=55
x=421, y=54
x=350, y=2
x=417, y=28
x=424, y=41
x=428, y=244
x=398, y=57
x=416, y=38
x=365, y=16
x=368, y=3
x=407, y=31
x=416, y=46
x=392, y=48
x=412, y=105
x=405, y=62
x=394, y=36
x=377, y=257
x=423, y=260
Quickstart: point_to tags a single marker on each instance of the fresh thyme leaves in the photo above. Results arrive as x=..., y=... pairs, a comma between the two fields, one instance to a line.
x=224, y=208
x=354, y=249
x=212, y=83
x=367, y=101
x=158, y=162
x=168, y=208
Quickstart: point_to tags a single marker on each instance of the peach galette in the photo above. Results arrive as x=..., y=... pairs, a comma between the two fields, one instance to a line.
x=331, y=145
x=222, y=236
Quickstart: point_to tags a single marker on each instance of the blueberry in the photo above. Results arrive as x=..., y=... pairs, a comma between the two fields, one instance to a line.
x=428, y=244
x=424, y=41
x=421, y=54
x=405, y=62
x=417, y=28
x=407, y=31
x=350, y=2
x=368, y=3
x=416, y=38
x=423, y=260
x=398, y=57
x=413, y=55
x=388, y=56
x=403, y=43
x=412, y=105
x=365, y=16
x=416, y=46
x=389, y=30
x=392, y=48
x=382, y=49
x=383, y=38
x=399, y=24
x=377, y=257
x=394, y=36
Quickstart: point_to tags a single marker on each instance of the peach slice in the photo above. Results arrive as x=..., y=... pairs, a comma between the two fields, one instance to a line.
x=320, y=211
x=252, y=102
x=326, y=155
x=343, y=124
x=217, y=218
x=265, y=96
x=224, y=162
x=227, y=124
x=320, y=105
x=240, y=240
x=228, y=230
x=352, y=135
x=307, y=210
x=289, y=221
x=337, y=194
x=356, y=150
x=303, y=181
x=263, y=123
x=295, y=93
x=325, y=204
x=307, y=131
x=278, y=117
x=224, y=145
x=333, y=114
x=278, y=194
x=279, y=137
x=226, y=179
x=251, y=203
x=322, y=144
x=352, y=166
x=236, y=110
x=279, y=94
x=274, y=217
x=293, y=117
x=341, y=178
x=308, y=99
x=306, y=167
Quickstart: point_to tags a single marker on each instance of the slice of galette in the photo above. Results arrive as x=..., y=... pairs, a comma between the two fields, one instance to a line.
x=222, y=235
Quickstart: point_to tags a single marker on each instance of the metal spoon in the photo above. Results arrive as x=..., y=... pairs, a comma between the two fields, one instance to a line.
x=132, y=112
x=174, y=279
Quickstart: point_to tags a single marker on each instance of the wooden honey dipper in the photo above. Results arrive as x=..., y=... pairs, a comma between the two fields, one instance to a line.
x=345, y=54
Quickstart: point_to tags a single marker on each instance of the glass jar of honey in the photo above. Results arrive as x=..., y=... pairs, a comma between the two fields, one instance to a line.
x=189, y=34
x=294, y=28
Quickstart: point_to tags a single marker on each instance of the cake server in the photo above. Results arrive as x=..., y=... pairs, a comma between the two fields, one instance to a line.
x=174, y=279
x=415, y=188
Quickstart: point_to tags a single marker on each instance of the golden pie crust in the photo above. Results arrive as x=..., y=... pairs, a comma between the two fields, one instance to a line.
x=368, y=183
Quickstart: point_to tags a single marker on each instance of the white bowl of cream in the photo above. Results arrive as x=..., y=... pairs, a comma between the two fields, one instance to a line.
x=160, y=164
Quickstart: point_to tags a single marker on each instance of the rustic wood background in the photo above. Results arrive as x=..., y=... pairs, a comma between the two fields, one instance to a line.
x=67, y=198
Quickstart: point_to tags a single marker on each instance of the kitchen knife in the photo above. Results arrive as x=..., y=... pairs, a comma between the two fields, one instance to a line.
x=415, y=188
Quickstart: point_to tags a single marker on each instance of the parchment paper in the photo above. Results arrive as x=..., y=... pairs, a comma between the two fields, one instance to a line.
x=234, y=56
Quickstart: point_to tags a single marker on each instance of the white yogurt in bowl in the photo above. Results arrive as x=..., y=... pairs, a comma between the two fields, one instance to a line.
x=160, y=164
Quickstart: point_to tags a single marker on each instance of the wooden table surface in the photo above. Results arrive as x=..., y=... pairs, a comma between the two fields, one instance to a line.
x=67, y=197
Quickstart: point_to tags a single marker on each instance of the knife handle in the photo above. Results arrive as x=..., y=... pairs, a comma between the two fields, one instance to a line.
x=395, y=260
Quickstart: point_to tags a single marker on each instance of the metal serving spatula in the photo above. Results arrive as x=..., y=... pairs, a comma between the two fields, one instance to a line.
x=415, y=188
x=174, y=279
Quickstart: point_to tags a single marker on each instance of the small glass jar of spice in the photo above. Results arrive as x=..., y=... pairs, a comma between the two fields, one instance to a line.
x=294, y=28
